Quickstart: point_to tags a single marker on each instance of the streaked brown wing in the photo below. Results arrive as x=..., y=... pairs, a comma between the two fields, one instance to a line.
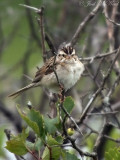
x=45, y=70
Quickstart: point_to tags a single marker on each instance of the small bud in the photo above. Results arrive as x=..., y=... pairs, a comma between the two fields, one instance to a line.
x=70, y=131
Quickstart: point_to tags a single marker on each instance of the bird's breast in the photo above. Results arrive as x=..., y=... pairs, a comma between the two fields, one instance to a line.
x=67, y=73
x=70, y=74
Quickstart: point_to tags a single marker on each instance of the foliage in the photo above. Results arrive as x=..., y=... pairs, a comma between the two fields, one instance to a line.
x=45, y=130
x=115, y=134
x=17, y=144
x=113, y=154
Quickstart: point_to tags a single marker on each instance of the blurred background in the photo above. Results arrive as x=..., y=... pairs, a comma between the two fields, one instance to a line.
x=21, y=53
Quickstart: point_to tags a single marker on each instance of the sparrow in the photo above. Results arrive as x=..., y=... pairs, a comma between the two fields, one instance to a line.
x=65, y=68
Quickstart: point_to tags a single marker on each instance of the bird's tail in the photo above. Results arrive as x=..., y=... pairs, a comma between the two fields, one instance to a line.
x=22, y=90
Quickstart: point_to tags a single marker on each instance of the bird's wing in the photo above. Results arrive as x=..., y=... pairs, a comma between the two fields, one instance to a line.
x=46, y=69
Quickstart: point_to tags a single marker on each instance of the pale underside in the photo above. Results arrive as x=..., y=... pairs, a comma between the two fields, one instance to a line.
x=68, y=75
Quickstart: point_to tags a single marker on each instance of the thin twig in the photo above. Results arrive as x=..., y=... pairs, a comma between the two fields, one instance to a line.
x=82, y=153
x=71, y=118
x=41, y=23
x=85, y=22
x=32, y=25
x=115, y=23
x=105, y=136
x=99, y=90
x=50, y=44
x=106, y=15
x=101, y=114
x=91, y=59
x=30, y=7
x=98, y=69
x=116, y=83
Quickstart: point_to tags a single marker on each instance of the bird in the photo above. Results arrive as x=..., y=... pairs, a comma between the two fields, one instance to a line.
x=65, y=68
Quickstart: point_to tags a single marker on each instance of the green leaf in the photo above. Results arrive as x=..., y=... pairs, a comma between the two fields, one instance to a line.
x=17, y=147
x=30, y=123
x=30, y=145
x=50, y=124
x=53, y=150
x=68, y=156
x=46, y=154
x=54, y=141
x=35, y=146
x=52, y=153
x=68, y=105
x=113, y=154
x=38, y=144
x=24, y=134
x=56, y=152
x=59, y=139
x=17, y=144
x=35, y=116
x=51, y=141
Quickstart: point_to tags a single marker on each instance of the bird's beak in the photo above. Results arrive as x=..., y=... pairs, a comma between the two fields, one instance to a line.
x=68, y=56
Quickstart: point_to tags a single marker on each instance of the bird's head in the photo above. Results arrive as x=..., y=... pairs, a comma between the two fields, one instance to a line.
x=66, y=52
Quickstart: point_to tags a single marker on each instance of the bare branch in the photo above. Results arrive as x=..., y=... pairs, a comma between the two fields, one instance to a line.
x=107, y=17
x=82, y=25
x=82, y=153
x=41, y=23
x=30, y=7
x=50, y=44
x=99, y=90
x=91, y=59
x=101, y=114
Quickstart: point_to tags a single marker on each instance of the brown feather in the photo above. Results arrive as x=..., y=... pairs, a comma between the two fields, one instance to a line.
x=22, y=90
x=45, y=70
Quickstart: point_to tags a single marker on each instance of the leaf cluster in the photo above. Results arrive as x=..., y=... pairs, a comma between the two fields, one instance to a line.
x=48, y=132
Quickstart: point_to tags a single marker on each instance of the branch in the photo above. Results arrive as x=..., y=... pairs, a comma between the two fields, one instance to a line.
x=91, y=59
x=115, y=23
x=107, y=17
x=101, y=114
x=71, y=118
x=50, y=44
x=40, y=22
x=82, y=153
x=98, y=147
x=99, y=90
x=82, y=25
x=105, y=136
x=31, y=24
x=44, y=36
x=116, y=83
